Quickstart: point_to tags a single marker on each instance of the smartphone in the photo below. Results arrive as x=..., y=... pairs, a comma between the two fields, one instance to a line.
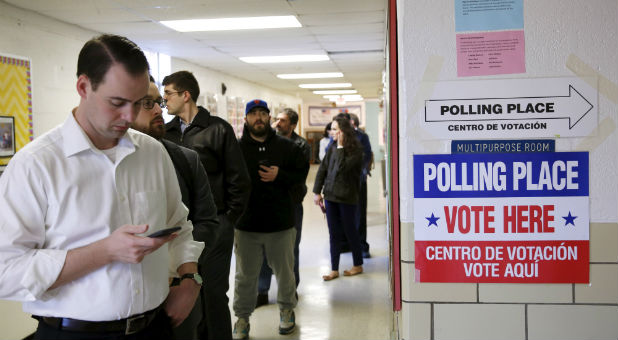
x=164, y=232
x=263, y=162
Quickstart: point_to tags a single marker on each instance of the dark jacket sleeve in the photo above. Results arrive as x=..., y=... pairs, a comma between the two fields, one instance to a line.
x=297, y=169
x=320, y=176
x=364, y=139
x=237, y=180
x=206, y=225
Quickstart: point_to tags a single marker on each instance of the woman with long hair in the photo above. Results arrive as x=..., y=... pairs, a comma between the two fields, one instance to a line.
x=339, y=179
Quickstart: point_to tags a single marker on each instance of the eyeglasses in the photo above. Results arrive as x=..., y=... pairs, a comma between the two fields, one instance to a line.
x=169, y=93
x=148, y=103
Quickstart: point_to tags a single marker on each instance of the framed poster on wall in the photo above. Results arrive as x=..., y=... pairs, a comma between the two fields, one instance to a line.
x=7, y=136
x=15, y=106
x=322, y=115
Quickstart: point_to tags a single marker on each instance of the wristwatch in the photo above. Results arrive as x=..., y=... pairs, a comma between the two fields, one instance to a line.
x=193, y=276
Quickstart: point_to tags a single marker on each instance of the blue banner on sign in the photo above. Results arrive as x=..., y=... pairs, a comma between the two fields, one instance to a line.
x=542, y=174
x=503, y=146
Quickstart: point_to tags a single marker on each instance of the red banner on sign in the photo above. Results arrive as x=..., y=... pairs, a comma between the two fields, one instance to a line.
x=502, y=261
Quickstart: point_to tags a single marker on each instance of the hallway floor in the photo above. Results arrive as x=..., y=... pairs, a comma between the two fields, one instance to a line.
x=357, y=307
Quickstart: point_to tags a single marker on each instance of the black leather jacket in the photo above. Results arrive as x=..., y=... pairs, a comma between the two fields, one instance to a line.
x=299, y=190
x=196, y=193
x=214, y=140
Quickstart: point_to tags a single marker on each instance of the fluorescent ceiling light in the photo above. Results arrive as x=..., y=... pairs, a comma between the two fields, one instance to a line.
x=352, y=98
x=310, y=75
x=336, y=92
x=324, y=86
x=285, y=58
x=229, y=24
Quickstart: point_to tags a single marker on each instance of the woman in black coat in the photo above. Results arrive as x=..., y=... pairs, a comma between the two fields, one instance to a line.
x=339, y=179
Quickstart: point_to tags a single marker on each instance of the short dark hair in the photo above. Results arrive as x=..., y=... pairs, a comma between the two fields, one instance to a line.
x=292, y=115
x=355, y=119
x=183, y=81
x=326, y=129
x=100, y=53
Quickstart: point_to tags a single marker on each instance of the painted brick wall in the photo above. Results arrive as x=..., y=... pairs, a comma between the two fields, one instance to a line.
x=564, y=38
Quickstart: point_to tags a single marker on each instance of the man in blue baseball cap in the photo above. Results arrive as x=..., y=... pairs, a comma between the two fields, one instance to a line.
x=266, y=229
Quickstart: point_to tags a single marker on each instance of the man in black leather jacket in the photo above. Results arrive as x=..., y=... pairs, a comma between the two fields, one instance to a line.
x=195, y=190
x=214, y=140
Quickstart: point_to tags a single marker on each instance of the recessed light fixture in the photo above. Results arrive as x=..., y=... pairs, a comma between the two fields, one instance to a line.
x=285, y=58
x=310, y=75
x=335, y=92
x=324, y=86
x=230, y=24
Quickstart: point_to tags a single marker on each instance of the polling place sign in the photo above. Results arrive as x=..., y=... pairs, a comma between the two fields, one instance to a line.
x=505, y=217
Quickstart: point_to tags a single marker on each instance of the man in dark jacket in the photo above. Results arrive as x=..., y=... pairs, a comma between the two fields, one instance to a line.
x=215, y=142
x=285, y=124
x=195, y=190
x=275, y=165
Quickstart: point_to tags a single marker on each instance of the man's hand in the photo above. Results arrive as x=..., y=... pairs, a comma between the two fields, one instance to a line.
x=180, y=301
x=268, y=173
x=124, y=246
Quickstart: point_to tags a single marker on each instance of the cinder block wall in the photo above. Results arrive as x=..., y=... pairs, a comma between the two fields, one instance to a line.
x=564, y=38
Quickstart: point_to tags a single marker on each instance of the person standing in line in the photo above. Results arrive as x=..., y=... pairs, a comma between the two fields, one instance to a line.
x=337, y=178
x=195, y=190
x=285, y=124
x=325, y=141
x=266, y=230
x=77, y=204
x=214, y=140
x=361, y=214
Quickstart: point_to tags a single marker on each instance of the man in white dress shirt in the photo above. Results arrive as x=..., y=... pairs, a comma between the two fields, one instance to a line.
x=77, y=204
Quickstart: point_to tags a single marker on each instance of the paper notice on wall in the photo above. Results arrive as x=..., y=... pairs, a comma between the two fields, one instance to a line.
x=490, y=53
x=488, y=15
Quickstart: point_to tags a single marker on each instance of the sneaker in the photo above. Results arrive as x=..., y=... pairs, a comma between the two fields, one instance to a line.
x=287, y=321
x=241, y=329
x=262, y=299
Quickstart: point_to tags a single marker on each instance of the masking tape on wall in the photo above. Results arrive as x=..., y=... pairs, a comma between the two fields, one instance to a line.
x=426, y=87
x=605, y=86
x=605, y=128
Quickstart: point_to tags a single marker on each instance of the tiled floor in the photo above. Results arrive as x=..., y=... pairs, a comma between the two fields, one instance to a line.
x=356, y=307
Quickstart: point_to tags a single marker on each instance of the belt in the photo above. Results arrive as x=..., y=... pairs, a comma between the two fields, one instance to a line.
x=127, y=326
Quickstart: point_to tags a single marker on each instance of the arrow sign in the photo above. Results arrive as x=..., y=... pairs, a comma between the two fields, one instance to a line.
x=572, y=107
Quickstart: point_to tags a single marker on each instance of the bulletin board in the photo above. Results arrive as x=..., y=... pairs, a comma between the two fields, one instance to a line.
x=15, y=106
x=322, y=115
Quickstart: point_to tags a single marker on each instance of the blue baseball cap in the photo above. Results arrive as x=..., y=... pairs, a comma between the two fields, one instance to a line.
x=256, y=103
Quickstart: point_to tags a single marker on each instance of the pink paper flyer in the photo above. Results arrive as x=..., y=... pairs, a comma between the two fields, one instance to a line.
x=490, y=53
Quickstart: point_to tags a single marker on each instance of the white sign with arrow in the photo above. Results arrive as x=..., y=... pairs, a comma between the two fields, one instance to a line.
x=511, y=108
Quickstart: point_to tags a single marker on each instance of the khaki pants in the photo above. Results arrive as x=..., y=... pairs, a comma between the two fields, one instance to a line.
x=250, y=249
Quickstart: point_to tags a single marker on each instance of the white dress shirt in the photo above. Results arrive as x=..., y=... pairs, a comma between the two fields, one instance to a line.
x=59, y=193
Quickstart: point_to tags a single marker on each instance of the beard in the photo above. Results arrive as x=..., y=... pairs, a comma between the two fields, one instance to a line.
x=258, y=131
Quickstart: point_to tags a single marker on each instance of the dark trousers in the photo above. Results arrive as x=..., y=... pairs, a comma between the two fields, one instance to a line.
x=341, y=220
x=361, y=215
x=266, y=273
x=217, y=322
x=159, y=328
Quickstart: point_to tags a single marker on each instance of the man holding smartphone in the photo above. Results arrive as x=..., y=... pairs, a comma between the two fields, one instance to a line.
x=266, y=229
x=77, y=204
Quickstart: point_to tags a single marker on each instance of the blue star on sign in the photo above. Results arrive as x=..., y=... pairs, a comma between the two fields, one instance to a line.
x=432, y=220
x=570, y=219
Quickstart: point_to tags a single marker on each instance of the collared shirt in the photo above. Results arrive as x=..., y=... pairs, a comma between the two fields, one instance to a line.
x=59, y=193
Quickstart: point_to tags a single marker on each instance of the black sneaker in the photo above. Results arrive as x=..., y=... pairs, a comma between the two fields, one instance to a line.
x=366, y=255
x=262, y=299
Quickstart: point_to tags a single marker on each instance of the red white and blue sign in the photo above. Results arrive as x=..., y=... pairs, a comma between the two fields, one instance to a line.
x=502, y=218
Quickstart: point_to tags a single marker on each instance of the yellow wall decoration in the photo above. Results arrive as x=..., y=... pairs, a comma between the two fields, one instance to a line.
x=16, y=98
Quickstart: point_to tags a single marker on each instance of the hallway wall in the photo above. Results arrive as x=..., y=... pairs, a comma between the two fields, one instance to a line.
x=563, y=38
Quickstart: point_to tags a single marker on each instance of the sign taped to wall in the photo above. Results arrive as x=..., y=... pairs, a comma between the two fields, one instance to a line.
x=510, y=217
